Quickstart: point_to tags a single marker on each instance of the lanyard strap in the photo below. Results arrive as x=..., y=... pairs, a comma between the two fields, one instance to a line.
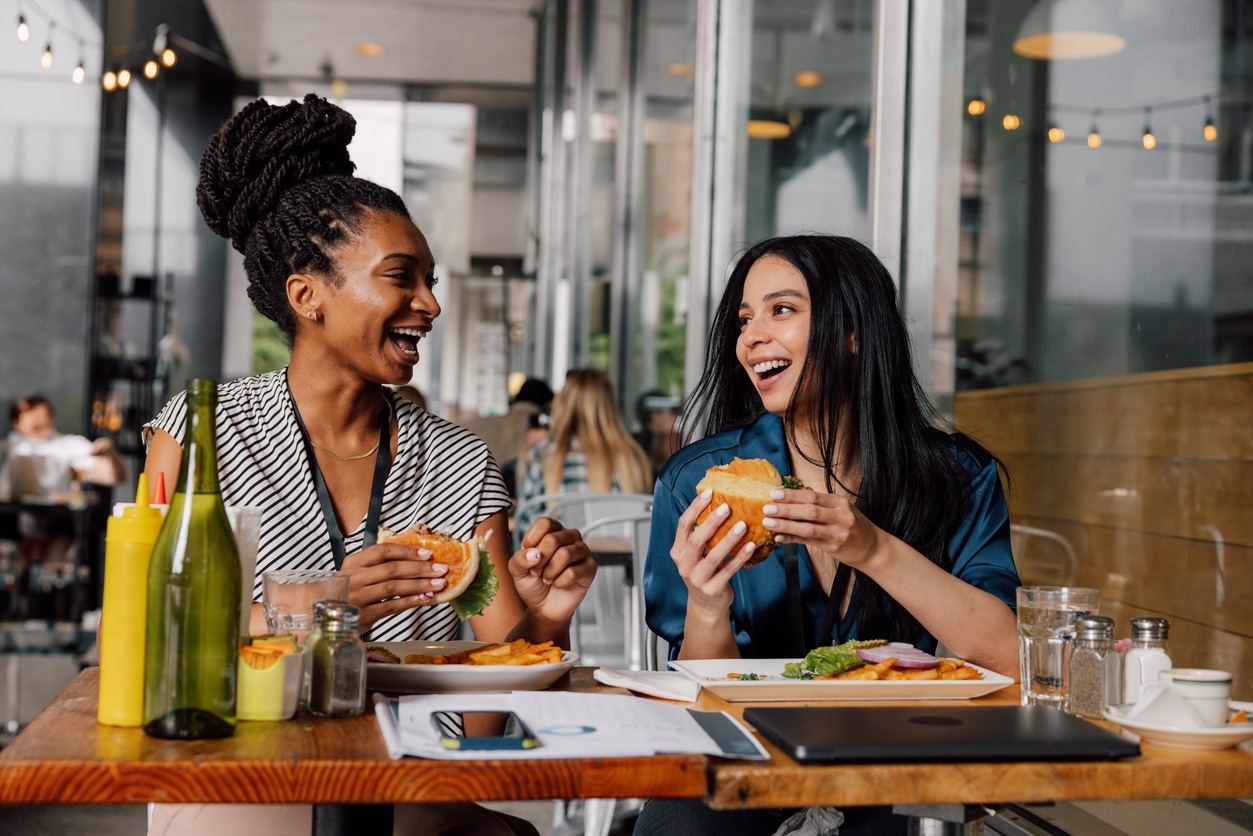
x=376, y=486
x=796, y=607
x=830, y=617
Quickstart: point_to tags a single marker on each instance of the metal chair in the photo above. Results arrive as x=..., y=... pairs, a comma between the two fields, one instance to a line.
x=610, y=546
x=576, y=509
x=1043, y=556
x=598, y=814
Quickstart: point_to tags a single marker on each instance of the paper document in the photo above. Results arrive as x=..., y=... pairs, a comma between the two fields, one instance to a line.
x=569, y=725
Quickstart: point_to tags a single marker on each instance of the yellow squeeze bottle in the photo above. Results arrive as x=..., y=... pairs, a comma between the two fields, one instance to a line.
x=128, y=544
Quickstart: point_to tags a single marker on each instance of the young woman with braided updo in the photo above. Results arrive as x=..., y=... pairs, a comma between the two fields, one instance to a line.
x=323, y=445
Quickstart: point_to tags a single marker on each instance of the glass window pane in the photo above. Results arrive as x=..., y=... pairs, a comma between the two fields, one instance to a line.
x=1100, y=231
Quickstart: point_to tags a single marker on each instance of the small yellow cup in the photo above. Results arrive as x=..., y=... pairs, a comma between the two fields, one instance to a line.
x=273, y=693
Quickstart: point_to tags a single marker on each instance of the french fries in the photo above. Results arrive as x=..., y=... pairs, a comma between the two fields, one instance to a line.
x=517, y=652
x=947, y=669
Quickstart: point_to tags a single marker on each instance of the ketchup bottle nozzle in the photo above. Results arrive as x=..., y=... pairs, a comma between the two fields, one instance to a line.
x=158, y=489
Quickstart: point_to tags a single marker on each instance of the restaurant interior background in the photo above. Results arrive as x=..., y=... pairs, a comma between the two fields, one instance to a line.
x=1070, y=228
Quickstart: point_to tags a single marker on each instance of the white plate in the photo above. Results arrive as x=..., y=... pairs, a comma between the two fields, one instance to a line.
x=712, y=676
x=449, y=679
x=1182, y=737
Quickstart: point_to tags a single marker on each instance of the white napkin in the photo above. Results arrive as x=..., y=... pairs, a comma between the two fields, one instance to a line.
x=1162, y=704
x=812, y=821
x=668, y=685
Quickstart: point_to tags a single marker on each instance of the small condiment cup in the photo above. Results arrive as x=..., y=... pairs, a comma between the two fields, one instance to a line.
x=1207, y=692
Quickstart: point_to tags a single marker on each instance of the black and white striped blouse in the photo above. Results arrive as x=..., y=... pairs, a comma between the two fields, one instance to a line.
x=443, y=475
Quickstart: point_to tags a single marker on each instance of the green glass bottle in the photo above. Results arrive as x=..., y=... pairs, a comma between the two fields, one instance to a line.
x=192, y=647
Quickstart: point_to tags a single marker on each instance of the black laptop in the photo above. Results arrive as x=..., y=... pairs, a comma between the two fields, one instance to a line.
x=853, y=734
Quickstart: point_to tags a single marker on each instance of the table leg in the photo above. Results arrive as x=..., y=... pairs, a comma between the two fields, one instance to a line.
x=352, y=819
x=943, y=819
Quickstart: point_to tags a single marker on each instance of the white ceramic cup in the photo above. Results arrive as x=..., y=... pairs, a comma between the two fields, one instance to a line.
x=1208, y=692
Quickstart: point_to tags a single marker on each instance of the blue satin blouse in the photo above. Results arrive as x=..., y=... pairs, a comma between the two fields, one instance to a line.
x=979, y=550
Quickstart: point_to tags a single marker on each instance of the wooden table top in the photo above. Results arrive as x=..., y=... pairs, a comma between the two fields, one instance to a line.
x=1159, y=772
x=64, y=756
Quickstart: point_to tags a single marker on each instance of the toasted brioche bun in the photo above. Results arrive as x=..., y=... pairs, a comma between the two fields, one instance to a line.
x=745, y=486
x=460, y=556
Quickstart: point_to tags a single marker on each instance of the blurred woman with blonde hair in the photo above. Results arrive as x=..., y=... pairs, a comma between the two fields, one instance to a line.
x=588, y=447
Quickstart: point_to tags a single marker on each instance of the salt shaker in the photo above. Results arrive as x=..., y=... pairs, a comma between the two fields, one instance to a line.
x=1095, y=669
x=1148, y=655
x=337, y=657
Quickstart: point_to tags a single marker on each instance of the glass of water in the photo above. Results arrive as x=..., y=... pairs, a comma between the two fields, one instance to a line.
x=1046, y=634
x=288, y=596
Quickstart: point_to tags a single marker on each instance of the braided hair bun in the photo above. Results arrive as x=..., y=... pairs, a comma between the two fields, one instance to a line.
x=264, y=150
x=276, y=180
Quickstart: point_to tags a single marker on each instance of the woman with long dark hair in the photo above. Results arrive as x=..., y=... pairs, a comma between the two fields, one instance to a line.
x=903, y=533
x=906, y=525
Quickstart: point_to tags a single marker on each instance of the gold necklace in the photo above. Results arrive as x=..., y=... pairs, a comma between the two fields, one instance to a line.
x=367, y=453
x=338, y=457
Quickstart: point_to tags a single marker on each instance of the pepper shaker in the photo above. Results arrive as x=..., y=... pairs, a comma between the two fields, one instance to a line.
x=1095, y=669
x=337, y=656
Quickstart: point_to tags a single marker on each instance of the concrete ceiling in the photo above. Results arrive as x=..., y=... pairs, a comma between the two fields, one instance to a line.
x=425, y=42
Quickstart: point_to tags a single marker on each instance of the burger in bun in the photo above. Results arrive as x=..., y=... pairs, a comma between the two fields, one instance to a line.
x=745, y=486
x=471, y=578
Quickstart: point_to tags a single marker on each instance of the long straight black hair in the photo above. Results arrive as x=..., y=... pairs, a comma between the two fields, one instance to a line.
x=912, y=484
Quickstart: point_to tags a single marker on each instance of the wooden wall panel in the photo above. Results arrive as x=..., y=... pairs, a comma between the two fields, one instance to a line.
x=1196, y=413
x=1178, y=497
x=1149, y=478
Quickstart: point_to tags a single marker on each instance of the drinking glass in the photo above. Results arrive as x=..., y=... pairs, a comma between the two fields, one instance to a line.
x=1046, y=634
x=288, y=596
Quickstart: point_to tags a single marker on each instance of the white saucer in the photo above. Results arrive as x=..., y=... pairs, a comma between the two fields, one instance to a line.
x=1183, y=737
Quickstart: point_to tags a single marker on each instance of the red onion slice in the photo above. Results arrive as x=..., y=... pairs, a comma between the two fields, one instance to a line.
x=906, y=656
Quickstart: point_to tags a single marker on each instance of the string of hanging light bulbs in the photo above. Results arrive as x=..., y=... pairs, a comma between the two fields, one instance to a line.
x=156, y=53
x=1055, y=133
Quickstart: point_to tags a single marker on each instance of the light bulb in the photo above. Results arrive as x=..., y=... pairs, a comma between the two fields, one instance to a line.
x=109, y=80
x=1211, y=132
x=1150, y=141
x=123, y=78
x=45, y=60
x=1011, y=122
x=151, y=68
x=976, y=107
x=168, y=57
x=80, y=73
x=23, y=29
x=1094, y=138
x=1056, y=134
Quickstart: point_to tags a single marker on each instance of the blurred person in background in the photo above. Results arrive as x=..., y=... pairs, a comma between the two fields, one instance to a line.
x=49, y=465
x=509, y=436
x=66, y=457
x=658, y=416
x=588, y=447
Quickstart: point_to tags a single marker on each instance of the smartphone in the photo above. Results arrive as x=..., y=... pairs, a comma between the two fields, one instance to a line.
x=482, y=730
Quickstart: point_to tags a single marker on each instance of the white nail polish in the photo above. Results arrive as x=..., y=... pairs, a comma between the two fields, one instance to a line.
x=769, y=523
x=777, y=493
x=723, y=510
x=739, y=528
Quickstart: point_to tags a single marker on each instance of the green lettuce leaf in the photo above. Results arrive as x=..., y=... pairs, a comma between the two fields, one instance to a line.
x=480, y=593
x=832, y=659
